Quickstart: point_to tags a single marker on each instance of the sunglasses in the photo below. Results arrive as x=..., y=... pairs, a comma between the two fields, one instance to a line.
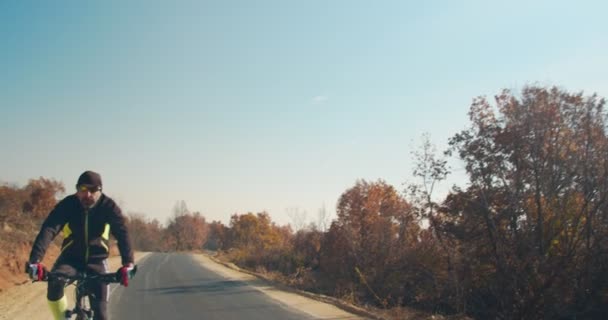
x=91, y=189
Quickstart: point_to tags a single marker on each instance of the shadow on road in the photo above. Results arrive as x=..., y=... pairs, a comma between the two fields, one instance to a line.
x=228, y=286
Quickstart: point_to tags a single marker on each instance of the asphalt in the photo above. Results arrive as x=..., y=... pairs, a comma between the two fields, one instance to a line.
x=175, y=286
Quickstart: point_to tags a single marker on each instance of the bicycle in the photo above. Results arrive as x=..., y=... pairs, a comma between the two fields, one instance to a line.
x=82, y=305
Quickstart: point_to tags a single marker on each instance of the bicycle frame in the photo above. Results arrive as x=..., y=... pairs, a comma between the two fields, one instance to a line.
x=81, y=309
x=82, y=292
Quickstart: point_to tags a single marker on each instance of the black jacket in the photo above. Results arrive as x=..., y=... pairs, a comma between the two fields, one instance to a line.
x=86, y=232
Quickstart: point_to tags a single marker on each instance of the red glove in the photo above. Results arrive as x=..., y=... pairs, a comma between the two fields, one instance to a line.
x=126, y=272
x=35, y=271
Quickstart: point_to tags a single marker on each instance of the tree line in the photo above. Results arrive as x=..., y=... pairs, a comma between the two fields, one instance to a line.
x=525, y=237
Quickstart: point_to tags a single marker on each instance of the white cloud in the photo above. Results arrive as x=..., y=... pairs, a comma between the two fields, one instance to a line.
x=319, y=99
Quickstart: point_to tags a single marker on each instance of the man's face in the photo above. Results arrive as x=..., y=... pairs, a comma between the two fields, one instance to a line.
x=88, y=194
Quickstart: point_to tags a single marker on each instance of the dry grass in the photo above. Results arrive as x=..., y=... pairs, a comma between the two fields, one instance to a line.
x=307, y=281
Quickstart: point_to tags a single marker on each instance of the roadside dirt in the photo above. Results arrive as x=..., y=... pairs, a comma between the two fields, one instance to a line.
x=12, y=268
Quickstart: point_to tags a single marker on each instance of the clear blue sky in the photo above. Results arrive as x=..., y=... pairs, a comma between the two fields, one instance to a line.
x=237, y=106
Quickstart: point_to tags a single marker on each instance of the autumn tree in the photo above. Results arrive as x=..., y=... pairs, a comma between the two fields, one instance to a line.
x=11, y=203
x=432, y=281
x=42, y=196
x=252, y=230
x=307, y=247
x=185, y=230
x=217, y=238
x=145, y=234
x=364, y=246
x=35, y=200
x=322, y=219
x=533, y=219
x=258, y=242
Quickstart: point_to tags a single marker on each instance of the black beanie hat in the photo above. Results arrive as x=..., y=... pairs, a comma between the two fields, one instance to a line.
x=89, y=178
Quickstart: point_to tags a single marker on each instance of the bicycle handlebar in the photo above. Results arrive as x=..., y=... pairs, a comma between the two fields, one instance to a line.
x=107, y=277
x=114, y=277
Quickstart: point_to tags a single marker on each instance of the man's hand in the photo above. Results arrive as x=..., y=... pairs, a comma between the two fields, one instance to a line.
x=127, y=272
x=35, y=270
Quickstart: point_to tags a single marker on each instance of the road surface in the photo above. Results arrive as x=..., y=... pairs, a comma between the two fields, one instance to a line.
x=184, y=286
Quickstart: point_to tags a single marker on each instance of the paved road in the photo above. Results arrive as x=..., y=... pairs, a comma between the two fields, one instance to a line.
x=175, y=286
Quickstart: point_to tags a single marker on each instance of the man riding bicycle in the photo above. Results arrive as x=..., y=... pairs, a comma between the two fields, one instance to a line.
x=87, y=218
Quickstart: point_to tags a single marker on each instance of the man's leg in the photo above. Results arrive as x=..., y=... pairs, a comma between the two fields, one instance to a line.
x=58, y=303
x=101, y=291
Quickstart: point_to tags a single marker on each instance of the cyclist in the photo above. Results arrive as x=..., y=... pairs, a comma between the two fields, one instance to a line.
x=87, y=218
